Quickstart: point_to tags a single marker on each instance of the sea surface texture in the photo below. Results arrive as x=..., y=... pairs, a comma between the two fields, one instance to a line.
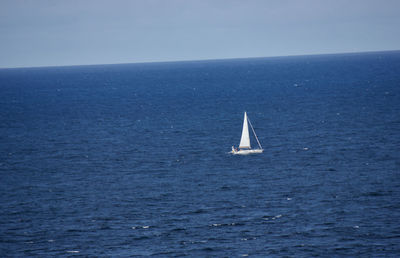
x=132, y=159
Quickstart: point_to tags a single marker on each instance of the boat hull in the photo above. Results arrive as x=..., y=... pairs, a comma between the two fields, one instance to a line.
x=246, y=152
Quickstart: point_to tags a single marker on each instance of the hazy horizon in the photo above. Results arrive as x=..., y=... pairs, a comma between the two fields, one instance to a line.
x=67, y=33
x=204, y=60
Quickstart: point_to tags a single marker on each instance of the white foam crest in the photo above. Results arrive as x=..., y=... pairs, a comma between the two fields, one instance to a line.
x=223, y=224
x=144, y=227
x=195, y=242
x=246, y=239
x=276, y=217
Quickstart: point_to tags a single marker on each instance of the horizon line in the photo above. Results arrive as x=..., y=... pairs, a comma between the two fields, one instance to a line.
x=200, y=60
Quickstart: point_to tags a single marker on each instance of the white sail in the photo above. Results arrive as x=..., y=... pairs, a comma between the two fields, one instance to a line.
x=255, y=135
x=245, y=140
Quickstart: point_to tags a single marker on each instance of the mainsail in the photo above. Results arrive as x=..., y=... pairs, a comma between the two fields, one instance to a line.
x=245, y=140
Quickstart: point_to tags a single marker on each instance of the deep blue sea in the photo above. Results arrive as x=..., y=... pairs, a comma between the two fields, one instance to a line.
x=132, y=159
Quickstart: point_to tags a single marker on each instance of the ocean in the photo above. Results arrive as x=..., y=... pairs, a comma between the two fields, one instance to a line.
x=132, y=159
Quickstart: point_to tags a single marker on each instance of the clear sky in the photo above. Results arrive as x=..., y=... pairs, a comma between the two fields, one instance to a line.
x=75, y=32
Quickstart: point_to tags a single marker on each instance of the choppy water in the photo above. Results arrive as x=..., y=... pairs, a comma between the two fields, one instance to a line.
x=126, y=160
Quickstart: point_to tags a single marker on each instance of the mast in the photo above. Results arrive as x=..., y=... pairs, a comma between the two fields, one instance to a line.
x=245, y=140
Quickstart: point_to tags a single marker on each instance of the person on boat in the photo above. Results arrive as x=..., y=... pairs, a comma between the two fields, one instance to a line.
x=233, y=149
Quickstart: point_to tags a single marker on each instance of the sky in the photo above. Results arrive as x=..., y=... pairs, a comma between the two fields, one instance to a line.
x=78, y=32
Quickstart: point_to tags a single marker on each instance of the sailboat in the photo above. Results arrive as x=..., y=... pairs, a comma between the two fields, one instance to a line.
x=244, y=146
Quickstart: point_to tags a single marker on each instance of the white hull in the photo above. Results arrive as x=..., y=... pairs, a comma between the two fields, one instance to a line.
x=246, y=152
